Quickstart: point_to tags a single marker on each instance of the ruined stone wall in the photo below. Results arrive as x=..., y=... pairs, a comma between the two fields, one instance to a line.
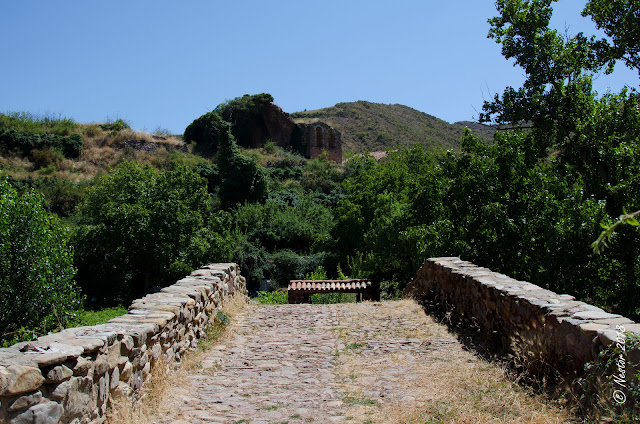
x=542, y=328
x=319, y=137
x=71, y=376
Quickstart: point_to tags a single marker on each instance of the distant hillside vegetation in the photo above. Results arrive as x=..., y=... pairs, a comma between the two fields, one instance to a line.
x=367, y=126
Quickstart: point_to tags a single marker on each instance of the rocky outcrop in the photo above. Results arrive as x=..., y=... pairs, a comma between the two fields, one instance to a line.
x=71, y=376
x=155, y=145
x=310, y=140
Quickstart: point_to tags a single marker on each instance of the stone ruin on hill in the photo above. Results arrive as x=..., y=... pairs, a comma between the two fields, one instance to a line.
x=310, y=140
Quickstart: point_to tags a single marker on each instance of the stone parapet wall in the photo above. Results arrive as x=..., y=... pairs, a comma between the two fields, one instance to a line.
x=71, y=376
x=542, y=328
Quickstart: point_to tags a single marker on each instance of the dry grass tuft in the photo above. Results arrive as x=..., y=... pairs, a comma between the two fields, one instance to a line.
x=123, y=410
x=440, y=380
x=164, y=376
x=102, y=150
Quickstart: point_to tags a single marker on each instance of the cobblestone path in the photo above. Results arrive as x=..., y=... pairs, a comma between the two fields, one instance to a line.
x=352, y=363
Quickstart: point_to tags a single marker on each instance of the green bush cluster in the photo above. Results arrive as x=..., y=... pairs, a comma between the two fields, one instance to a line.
x=205, y=132
x=23, y=143
x=115, y=126
x=141, y=228
x=60, y=196
x=272, y=298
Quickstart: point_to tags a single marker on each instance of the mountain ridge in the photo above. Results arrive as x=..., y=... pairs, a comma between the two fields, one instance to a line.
x=368, y=126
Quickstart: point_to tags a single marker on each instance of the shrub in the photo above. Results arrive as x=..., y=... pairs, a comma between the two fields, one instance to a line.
x=143, y=228
x=286, y=264
x=23, y=143
x=272, y=298
x=92, y=130
x=61, y=195
x=37, y=291
x=116, y=126
x=46, y=157
x=270, y=146
x=204, y=132
x=209, y=172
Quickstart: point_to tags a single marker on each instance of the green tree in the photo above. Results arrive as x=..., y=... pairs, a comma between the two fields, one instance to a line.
x=619, y=19
x=37, y=290
x=283, y=238
x=374, y=219
x=144, y=228
x=591, y=141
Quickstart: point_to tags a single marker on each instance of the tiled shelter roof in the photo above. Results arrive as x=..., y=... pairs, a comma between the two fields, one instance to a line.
x=329, y=285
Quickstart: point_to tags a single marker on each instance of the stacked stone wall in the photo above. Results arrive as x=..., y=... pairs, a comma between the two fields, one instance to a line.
x=71, y=376
x=545, y=330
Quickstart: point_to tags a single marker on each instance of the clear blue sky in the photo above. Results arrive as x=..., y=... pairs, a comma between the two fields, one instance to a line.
x=164, y=63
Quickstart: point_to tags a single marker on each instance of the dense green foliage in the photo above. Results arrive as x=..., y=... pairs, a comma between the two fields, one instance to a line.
x=367, y=126
x=531, y=203
x=37, y=291
x=12, y=141
x=595, y=139
x=619, y=20
x=242, y=180
x=204, y=132
x=241, y=113
x=60, y=196
x=21, y=133
x=143, y=228
x=282, y=239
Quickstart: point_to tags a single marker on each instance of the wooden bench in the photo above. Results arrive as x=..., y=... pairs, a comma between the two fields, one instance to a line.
x=300, y=291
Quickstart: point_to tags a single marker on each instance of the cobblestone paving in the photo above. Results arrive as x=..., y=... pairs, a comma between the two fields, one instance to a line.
x=318, y=363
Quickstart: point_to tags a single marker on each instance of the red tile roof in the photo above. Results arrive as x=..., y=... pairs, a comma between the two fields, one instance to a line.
x=329, y=285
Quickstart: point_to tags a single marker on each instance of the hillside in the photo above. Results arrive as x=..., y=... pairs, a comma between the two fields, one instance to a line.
x=367, y=126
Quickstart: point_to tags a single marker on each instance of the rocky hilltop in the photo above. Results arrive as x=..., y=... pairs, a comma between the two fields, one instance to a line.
x=263, y=120
x=367, y=126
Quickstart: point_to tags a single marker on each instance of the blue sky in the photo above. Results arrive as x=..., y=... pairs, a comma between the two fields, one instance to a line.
x=161, y=64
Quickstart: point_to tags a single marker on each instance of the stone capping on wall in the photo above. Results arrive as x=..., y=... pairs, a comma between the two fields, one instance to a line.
x=71, y=376
x=544, y=327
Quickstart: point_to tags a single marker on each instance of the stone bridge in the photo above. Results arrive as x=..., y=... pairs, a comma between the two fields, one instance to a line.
x=371, y=362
